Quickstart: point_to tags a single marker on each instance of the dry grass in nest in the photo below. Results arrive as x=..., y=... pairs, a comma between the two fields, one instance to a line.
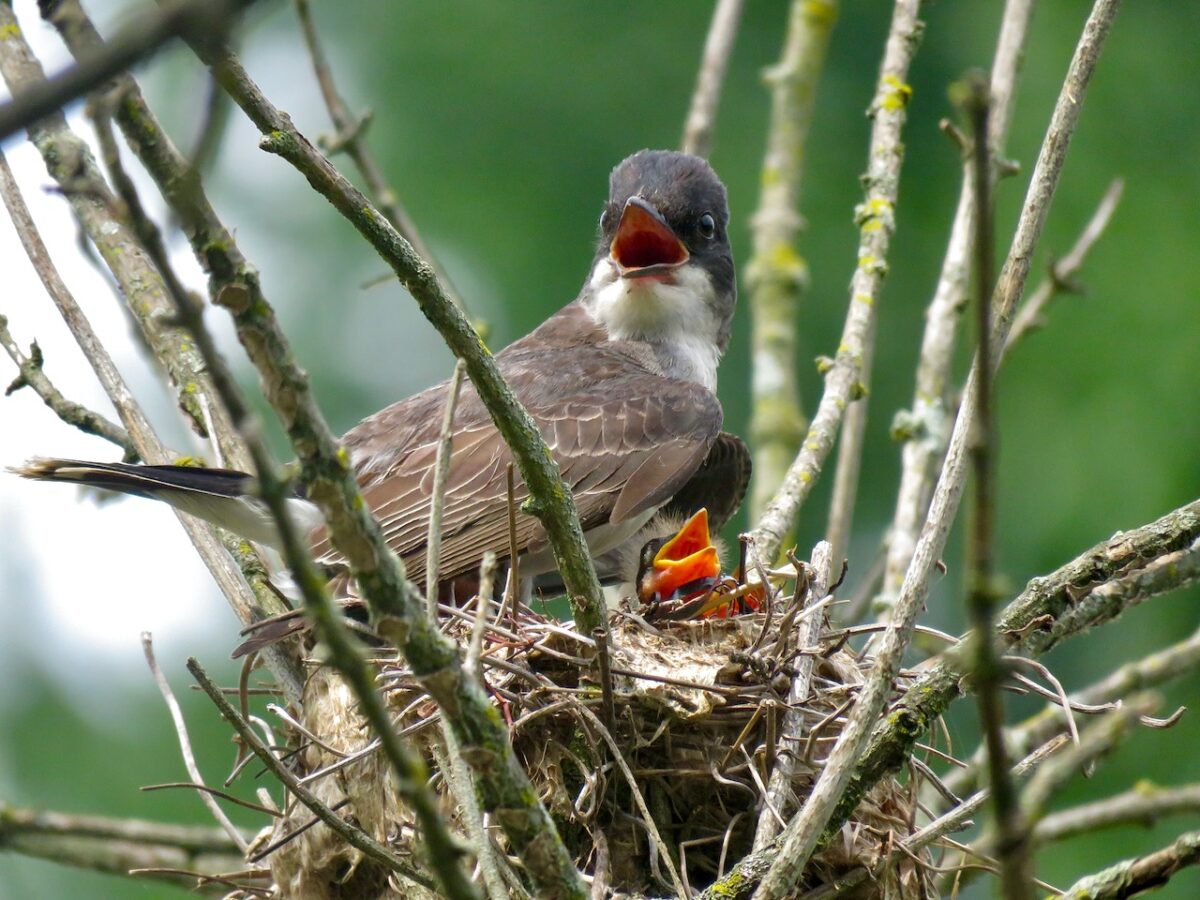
x=661, y=791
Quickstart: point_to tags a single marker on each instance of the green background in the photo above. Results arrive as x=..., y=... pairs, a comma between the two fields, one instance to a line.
x=497, y=124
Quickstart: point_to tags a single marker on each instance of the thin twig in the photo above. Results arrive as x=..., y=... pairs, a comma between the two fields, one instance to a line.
x=925, y=427
x=1062, y=272
x=841, y=383
x=780, y=783
x=185, y=746
x=777, y=275
x=832, y=800
x=487, y=586
x=351, y=137
x=1143, y=805
x=31, y=375
x=722, y=32
x=1135, y=876
x=1012, y=846
x=441, y=468
x=352, y=835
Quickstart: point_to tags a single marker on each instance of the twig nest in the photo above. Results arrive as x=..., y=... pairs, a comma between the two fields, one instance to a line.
x=700, y=719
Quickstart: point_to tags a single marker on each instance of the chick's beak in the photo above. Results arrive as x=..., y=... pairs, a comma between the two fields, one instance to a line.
x=685, y=566
x=645, y=245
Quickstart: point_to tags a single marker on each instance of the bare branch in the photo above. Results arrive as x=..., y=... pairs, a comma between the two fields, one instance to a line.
x=441, y=468
x=31, y=375
x=1143, y=805
x=118, y=845
x=876, y=219
x=842, y=384
x=722, y=32
x=1132, y=877
x=776, y=275
x=185, y=746
x=925, y=428
x=351, y=137
x=1012, y=845
x=1063, y=271
x=779, y=785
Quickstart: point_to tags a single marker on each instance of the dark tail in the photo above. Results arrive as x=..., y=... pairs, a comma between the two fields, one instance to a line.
x=144, y=481
x=221, y=496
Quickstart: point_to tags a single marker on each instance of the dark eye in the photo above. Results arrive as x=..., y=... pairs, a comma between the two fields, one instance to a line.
x=604, y=219
x=707, y=225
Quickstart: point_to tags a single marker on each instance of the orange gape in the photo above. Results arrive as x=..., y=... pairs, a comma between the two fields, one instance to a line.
x=687, y=568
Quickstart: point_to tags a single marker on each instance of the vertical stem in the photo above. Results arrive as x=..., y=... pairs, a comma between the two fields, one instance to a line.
x=697, y=131
x=777, y=276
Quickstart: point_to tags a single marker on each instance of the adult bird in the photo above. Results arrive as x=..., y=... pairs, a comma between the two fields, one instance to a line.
x=621, y=383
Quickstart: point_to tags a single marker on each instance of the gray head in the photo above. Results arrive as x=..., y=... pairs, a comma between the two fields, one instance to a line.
x=663, y=271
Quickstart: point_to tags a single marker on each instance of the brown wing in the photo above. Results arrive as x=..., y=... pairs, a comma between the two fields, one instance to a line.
x=624, y=438
x=720, y=483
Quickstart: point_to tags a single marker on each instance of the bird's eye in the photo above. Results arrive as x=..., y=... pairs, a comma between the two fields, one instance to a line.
x=604, y=217
x=707, y=225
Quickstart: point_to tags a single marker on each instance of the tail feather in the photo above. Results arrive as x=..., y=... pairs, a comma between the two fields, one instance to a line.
x=145, y=481
x=221, y=496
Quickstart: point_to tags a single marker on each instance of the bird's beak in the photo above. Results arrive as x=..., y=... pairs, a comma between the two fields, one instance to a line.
x=644, y=244
x=684, y=567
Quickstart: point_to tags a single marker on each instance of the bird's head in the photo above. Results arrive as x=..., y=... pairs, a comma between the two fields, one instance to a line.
x=680, y=567
x=663, y=271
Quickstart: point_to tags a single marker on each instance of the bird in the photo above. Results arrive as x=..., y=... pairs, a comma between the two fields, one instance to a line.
x=621, y=383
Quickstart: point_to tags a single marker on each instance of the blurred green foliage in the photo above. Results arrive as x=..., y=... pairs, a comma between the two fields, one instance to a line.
x=497, y=124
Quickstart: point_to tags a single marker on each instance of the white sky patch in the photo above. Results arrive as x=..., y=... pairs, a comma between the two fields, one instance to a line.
x=80, y=582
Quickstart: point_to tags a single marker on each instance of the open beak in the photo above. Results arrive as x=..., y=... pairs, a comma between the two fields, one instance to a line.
x=683, y=579
x=644, y=245
x=684, y=567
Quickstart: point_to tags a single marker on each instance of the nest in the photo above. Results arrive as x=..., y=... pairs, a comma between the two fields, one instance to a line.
x=659, y=782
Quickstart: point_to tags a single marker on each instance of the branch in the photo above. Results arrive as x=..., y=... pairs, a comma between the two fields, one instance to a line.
x=842, y=384
x=722, y=32
x=351, y=137
x=352, y=835
x=925, y=428
x=116, y=846
x=1144, y=873
x=30, y=375
x=1062, y=273
x=776, y=275
x=1144, y=805
x=834, y=795
x=986, y=669
x=1043, y=601
x=780, y=783
x=149, y=32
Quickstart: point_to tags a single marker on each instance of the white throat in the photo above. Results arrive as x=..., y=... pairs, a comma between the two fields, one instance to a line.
x=675, y=318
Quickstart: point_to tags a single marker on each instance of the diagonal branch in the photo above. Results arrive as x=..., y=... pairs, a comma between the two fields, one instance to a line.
x=925, y=428
x=30, y=374
x=1134, y=876
x=351, y=137
x=702, y=114
x=876, y=220
x=842, y=385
